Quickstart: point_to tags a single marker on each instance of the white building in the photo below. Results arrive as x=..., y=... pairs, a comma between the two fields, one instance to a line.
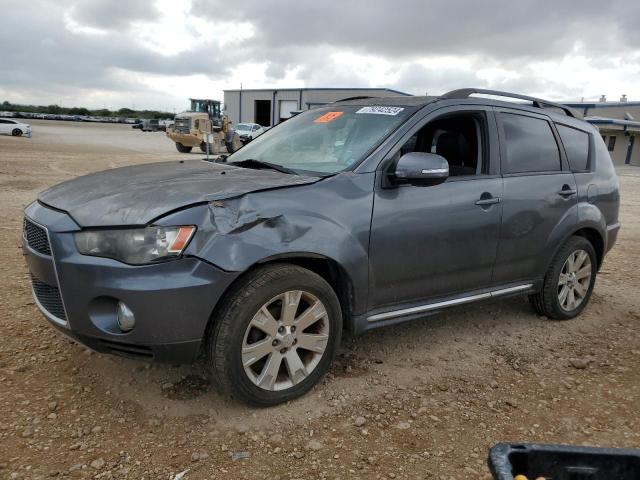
x=269, y=107
x=619, y=125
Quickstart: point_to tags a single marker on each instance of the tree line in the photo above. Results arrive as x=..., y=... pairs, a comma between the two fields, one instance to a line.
x=101, y=112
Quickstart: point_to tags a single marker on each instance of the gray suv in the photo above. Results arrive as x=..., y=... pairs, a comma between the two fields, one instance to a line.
x=361, y=214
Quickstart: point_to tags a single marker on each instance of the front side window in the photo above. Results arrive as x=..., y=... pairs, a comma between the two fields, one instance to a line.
x=530, y=145
x=325, y=140
x=576, y=146
x=458, y=138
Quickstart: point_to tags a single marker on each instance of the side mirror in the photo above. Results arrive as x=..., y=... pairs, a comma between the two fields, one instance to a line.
x=418, y=168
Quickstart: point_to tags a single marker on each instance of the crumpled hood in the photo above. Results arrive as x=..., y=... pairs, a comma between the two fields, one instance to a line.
x=138, y=194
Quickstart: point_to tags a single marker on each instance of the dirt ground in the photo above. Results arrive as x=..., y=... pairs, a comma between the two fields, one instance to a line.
x=422, y=400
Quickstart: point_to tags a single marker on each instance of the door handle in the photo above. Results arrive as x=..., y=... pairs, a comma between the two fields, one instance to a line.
x=567, y=191
x=487, y=201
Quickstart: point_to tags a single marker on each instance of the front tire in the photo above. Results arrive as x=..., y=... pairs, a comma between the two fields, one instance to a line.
x=203, y=148
x=182, y=149
x=16, y=132
x=275, y=335
x=569, y=281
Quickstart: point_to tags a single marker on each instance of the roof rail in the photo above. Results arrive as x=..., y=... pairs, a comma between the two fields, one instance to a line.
x=359, y=97
x=537, y=102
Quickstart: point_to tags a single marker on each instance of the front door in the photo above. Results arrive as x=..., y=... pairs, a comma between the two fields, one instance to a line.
x=433, y=241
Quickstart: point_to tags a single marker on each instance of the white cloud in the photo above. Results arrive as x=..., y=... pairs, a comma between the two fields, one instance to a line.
x=157, y=54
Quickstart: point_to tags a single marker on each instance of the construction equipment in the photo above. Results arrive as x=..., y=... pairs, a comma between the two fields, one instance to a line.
x=192, y=128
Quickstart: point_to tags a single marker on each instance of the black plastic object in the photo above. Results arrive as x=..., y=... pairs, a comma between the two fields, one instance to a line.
x=563, y=462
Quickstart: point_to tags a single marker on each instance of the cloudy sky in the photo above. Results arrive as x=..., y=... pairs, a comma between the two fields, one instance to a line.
x=157, y=53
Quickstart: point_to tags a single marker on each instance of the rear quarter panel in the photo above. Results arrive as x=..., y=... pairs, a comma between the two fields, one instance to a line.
x=598, y=193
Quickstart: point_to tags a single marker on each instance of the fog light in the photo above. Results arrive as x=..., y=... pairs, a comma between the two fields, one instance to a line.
x=126, y=319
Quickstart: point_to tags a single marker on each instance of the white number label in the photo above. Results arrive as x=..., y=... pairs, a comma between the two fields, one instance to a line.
x=378, y=110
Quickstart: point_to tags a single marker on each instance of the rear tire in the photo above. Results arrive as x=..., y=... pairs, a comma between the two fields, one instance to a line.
x=203, y=147
x=182, y=149
x=568, y=282
x=16, y=132
x=257, y=345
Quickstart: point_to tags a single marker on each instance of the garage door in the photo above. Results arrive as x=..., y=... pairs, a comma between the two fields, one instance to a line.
x=286, y=107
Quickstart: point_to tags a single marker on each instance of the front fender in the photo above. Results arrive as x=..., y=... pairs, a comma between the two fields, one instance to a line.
x=329, y=219
x=241, y=236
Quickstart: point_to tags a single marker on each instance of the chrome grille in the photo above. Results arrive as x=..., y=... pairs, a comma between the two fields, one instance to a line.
x=49, y=298
x=36, y=237
x=182, y=125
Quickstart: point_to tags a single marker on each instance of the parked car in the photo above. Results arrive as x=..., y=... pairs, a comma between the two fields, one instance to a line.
x=360, y=214
x=166, y=123
x=248, y=131
x=152, y=125
x=15, y=128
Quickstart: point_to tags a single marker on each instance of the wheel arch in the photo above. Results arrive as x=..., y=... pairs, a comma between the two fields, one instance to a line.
x=327, y=268
x=591, y=232
x=595, y=238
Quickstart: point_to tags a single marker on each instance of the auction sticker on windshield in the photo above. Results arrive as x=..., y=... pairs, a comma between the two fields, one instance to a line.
x=327, y=117
x=381, y=110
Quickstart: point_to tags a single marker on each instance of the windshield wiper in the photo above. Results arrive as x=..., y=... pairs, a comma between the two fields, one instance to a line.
x=253, y=163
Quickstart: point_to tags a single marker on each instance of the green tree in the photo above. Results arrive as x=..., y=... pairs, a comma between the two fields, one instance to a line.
x=78, y=111
x=53, y=109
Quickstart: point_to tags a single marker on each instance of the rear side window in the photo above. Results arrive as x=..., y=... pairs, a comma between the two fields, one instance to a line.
x=576, y=145
x=530, y=145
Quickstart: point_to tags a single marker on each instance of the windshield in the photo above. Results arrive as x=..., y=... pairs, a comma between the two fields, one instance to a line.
x=243, y=126
x=198, y=106
x=324, y=140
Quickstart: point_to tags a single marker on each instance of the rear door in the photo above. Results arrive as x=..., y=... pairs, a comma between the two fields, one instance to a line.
x=539, y=196
x=5, y=126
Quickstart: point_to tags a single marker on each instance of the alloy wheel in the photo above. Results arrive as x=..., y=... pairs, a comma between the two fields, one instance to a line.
x=285, y=340
x=574, y=280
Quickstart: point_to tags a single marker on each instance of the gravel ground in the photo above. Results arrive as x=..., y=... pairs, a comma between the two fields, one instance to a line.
x=422, y=400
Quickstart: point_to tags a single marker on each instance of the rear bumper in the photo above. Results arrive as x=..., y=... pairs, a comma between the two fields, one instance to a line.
x=172, y=301
x=612, y=235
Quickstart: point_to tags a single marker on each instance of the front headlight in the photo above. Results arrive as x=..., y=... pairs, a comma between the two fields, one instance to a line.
x=136, y=246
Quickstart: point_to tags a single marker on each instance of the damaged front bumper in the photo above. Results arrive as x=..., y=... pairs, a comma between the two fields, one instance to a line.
x=172, y=301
